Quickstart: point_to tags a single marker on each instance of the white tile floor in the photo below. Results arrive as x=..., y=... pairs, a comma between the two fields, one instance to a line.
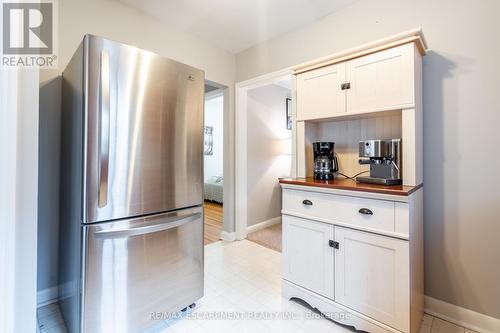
x=244, y=279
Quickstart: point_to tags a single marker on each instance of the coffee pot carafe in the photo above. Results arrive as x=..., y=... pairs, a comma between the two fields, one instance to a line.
x=325, y=161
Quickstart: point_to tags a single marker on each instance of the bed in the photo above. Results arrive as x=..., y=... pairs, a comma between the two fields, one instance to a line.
x=214, y=189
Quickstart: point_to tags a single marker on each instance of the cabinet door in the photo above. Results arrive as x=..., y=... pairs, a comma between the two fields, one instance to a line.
x=319, y=94
x=381, y=81
x=372, y=276
x=307, y=256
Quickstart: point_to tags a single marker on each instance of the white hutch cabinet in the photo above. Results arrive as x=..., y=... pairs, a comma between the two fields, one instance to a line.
x=349, y=248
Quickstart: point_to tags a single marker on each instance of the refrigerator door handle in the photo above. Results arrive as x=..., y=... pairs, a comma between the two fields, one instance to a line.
x=104, y=106
x=124, y=233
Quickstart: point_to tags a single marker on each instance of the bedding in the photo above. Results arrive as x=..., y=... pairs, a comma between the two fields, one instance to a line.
x=214, y=189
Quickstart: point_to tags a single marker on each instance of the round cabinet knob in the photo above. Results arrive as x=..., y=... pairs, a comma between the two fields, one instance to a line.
x=307, y=202
x=365, y=211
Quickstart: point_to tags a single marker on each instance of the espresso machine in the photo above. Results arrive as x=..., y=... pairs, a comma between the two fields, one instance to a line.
x=384, y=158
x=325, y=161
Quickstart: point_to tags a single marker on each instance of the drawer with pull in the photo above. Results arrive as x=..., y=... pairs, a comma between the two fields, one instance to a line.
x=369, y=213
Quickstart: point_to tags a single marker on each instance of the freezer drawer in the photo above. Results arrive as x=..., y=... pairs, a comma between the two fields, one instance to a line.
x=138, y=266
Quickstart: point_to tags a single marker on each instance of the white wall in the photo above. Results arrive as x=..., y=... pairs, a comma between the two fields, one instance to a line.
x=269, y=147
x=48, y=187
x=461, y=117
x=116, y=21
x=214, y=116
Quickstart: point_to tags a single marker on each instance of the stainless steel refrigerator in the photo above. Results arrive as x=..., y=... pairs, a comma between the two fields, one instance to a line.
x=131, y=237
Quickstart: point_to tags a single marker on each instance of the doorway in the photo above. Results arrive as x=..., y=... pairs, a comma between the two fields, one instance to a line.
x=264, y=154
x=213, y=170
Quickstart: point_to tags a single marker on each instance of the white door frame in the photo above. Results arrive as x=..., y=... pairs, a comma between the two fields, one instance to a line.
x=19, y=90
x=227, y=191
x=242, y=89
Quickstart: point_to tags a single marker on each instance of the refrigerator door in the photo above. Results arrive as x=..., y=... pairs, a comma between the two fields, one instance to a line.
x=144, y=137
x=137, y=267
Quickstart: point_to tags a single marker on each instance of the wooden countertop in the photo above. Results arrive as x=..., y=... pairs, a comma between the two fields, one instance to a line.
x=351, y=185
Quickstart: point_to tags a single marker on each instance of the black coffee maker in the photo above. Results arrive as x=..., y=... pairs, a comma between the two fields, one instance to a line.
x=325, y=161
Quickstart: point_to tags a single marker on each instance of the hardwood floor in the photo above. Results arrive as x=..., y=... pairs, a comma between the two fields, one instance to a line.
x=213, y=221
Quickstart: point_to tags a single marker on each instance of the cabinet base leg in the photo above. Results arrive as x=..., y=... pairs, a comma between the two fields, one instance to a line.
x=334, y=311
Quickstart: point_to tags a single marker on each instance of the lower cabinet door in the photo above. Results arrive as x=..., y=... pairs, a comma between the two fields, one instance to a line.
x=372, y=276
x=307, y=256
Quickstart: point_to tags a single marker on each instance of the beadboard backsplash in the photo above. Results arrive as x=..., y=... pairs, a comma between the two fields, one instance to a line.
x=346, y=134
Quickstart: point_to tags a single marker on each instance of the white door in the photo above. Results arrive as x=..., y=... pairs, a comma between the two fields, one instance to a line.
x=381, y=81
x=372, y=276
x=307, y=256
x=319, y=92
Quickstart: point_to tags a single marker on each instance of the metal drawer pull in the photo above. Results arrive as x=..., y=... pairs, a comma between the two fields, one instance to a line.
x=307, y=202
x=365, y=211
x=137, y=231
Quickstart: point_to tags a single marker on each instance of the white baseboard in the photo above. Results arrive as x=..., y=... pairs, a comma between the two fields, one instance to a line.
x=47, y=296
x=227, y=236
x=464, y=317
x=262, y=225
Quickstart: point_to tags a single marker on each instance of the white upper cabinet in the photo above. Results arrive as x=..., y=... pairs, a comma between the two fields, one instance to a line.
x=319, y=93
x=372, y=276
x=307, y=255
x=381, y=81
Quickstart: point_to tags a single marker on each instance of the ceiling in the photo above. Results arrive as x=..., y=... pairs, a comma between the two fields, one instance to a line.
x=236, y=25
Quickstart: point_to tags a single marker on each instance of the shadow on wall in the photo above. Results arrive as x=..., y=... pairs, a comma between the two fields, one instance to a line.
x=441, y=154
x=268, y=151
x=48, y=185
